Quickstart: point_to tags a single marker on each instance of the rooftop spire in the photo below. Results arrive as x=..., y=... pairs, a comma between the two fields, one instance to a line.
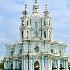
x=35, y=1
x=25, y=6
x=46, y=12
x=25, y=12
x=46, y=7
x=35, y=7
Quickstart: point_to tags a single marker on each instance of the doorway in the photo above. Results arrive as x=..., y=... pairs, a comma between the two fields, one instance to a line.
x=36, y=65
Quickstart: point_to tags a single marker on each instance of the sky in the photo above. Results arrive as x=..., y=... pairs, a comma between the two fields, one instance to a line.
x=11, y=11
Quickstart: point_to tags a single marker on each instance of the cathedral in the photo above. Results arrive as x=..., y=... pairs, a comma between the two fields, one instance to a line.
x=36, y=49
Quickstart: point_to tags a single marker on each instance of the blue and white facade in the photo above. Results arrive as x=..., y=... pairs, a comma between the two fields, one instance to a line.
x=36, y=49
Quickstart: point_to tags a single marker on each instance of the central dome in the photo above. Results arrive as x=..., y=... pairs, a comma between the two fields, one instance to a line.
x=35, y=16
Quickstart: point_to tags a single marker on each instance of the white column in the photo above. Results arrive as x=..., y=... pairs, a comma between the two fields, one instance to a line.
x=46, y=47
x=58, y=65
x=30, y=64
x=14, y=64
x=42, y=33
x=49, y=67
x=26, y=63
x=17, y=65
x=42, y=63
x=46, y=64
x=50, y=64
x=66, y=65
x=5, y=65
x=47, y=33
x=8, y=64
x=22, y=64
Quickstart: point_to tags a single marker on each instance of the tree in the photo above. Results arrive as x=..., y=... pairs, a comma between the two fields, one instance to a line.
x=2, y=64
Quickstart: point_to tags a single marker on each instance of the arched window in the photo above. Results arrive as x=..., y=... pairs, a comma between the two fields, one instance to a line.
x=30, y=21
x=36, y=65
x=12, y=65
x=20, y=65
x=36, y=33
x=52, y=66
x=12, y=53
x=60, y=52
x=49, y=34
x=27, y=22
x=20, y=51
x=36, y=25
x=22, y=23
x=44, y=34
x=22, y=34
x=44, y=23
x=60, y=65
x=27, y=34
x=51, y=50
x=49, y=22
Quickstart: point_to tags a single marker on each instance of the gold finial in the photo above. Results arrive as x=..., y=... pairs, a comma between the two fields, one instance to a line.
x=35, y=1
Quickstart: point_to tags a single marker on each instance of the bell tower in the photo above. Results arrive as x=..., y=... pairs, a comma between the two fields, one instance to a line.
x=25, y=25
x=47, y=25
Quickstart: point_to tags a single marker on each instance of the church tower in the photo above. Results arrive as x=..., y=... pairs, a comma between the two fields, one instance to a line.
x=36, y=49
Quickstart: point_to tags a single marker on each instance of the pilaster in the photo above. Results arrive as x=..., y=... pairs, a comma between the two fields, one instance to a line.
x=14, y=64
x=46, y=63
x=32, y=64
x=58, y=65
x=17, y=64
x=22, y=64
x=66, y=65
x=49, y=64
x=42, y=62
x=8, y=65
x=5, y=65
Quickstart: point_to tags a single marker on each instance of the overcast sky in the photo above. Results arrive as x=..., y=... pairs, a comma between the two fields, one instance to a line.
x=11, y=11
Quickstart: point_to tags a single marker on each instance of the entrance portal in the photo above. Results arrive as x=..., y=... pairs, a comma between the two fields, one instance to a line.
x=36, y=65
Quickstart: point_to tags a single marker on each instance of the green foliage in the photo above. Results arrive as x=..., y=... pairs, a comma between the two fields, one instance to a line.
x=2, y=65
